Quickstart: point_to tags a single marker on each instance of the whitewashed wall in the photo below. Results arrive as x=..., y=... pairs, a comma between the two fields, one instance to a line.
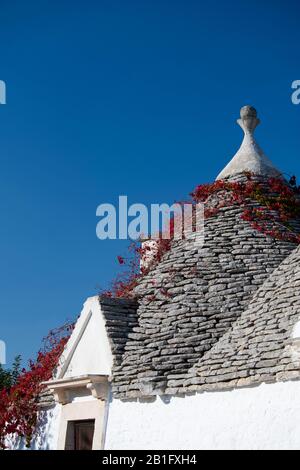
x=46, y=438
x=263, y=417
x=47, y=432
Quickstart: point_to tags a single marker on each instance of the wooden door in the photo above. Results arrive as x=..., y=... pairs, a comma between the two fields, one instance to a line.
x=83, y=434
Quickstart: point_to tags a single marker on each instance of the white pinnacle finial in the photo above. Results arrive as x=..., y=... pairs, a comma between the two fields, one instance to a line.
x=250, y=156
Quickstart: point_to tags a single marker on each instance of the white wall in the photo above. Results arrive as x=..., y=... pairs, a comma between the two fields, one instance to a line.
x=46, y=438
x=262, y=417
x=47, y=432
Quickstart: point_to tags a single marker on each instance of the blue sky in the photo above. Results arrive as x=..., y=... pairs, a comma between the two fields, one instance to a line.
x=122, y=97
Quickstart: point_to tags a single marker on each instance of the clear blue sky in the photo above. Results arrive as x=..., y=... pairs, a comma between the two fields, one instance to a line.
x=122, y=97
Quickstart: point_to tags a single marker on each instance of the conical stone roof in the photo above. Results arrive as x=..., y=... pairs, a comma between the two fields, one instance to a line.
x=212, y=317
x=194, y=296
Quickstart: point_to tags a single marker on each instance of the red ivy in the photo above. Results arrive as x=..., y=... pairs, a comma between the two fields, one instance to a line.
x=124, y=284
x=19, y=405
x=276, y=205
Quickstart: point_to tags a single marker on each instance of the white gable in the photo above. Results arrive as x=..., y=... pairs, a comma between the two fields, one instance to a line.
x=88, y=350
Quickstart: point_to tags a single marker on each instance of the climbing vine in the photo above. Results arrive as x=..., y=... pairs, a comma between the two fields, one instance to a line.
x=19, y=403
x=271, y=206
x=123, y=285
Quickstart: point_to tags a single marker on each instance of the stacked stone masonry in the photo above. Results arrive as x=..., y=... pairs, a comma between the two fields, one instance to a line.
x=187, y=305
